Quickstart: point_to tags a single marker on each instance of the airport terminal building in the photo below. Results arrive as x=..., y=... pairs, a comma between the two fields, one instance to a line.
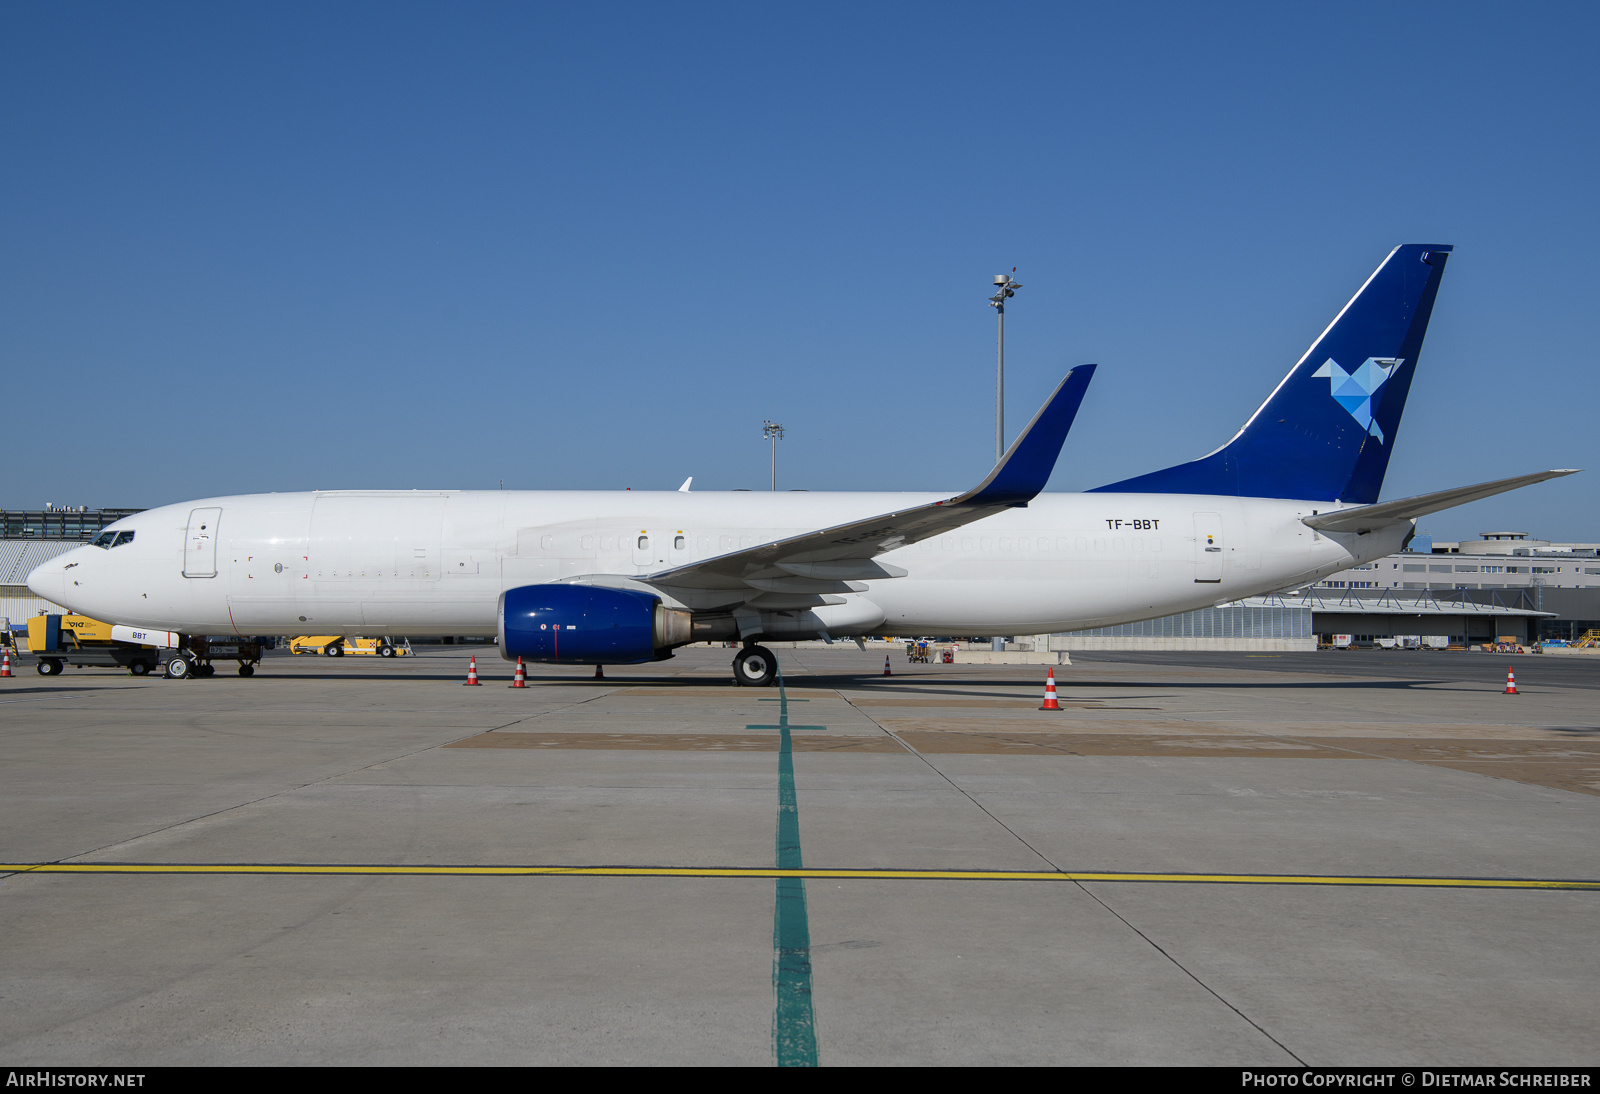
x=1501, y=585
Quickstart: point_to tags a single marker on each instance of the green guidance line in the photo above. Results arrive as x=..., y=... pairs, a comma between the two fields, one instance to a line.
x=767, y=873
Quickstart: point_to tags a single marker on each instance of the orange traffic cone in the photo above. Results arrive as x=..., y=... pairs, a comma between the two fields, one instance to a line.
x=1511, y=681
x=5, y=661
x=1050, y=702
x=520, y=680
x=599, y=672
x=886, y=671
x=472, y=673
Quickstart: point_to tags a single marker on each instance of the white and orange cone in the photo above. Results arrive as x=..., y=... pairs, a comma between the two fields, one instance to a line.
x=1511, y=681
x=886, y=671
x=520, y=680
x=1050, y=702
x=5, y=661
x=472, y=673
x=599, y=672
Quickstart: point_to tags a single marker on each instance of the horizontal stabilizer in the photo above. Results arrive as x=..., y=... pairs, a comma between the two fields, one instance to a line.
x=841, y=552
x=1367, y=517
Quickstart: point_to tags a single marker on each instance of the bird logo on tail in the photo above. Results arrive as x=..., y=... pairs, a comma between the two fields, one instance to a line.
x=1357, y=391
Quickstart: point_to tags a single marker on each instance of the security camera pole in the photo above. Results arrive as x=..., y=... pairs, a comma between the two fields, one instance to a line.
x=773, y=432
x=1004, y=287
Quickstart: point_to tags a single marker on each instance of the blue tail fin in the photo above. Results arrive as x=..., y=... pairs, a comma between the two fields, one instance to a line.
x=1326, y=433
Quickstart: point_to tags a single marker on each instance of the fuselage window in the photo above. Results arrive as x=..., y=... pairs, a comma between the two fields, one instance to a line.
x=123, y=537
x=644, y=543
x=678, y=543
x=547, y=542
x=588, y=543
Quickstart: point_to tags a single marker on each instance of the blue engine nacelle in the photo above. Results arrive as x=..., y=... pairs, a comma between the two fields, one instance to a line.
x=587, y=624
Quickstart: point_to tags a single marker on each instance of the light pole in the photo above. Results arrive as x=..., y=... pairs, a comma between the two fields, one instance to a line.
x=1004, y=287
x=773, y=432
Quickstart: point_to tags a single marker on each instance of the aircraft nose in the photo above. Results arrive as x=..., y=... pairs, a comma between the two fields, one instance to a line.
x=48, y=581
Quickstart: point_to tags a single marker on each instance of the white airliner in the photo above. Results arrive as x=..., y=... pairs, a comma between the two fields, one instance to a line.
x=588, y=577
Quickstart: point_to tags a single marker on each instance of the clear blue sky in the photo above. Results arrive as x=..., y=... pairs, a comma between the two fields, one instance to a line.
x=278, y=247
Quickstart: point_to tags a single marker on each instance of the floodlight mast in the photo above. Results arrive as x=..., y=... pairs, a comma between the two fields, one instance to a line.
x=1004, y=287
x=773, y=432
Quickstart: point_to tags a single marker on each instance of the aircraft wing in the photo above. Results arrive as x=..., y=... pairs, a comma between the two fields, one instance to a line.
x=1365, y=518
x=827, y=560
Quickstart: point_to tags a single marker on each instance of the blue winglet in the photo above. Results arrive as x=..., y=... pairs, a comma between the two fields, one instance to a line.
x=1027, y=464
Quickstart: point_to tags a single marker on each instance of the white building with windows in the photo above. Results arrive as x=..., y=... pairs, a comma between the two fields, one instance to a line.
x=1495, y=560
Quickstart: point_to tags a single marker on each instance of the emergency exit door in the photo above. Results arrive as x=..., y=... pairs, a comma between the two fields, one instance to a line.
x=200, y=544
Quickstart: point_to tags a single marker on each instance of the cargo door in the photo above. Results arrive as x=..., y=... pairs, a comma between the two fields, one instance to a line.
x=1208, y=548
x=200, y=545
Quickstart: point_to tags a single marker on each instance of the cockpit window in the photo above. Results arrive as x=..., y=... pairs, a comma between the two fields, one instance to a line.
x=103, y=539
x=123, y=537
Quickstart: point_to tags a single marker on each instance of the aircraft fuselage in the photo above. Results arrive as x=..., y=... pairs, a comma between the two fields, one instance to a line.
x=436, y=562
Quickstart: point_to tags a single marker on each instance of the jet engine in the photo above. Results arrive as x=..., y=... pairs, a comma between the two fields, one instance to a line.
x=588, y=624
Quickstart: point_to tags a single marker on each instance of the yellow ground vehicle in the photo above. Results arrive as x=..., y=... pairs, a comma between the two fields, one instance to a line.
x=61, y=640
x=337, y=645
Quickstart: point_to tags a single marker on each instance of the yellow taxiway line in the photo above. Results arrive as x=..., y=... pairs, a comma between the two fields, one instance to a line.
x=770, y=873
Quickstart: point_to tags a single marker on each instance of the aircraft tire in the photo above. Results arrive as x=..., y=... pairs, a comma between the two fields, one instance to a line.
x=755, y=667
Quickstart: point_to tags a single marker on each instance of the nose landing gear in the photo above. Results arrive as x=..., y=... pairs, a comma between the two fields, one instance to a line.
x=755, y=667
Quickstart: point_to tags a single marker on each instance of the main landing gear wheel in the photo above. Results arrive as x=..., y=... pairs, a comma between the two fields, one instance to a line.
x=755, y=667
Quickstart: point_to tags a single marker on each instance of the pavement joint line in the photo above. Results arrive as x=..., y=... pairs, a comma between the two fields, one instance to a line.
x=273, y=794
x=758, y=873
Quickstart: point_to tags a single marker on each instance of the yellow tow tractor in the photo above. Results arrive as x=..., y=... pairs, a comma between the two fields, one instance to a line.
x=337, y=645
x=56, y=641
